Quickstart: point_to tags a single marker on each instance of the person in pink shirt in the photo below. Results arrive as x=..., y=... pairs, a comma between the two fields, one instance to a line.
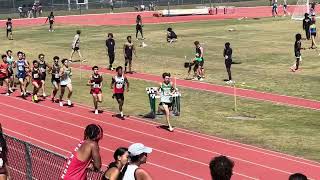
x=85, y=154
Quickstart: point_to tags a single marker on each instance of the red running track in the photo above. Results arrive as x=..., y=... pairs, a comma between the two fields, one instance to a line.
x=179, y=155
x=245, y=93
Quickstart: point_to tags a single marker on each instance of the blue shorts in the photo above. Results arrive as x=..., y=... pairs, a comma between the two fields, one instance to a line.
x=21, y=74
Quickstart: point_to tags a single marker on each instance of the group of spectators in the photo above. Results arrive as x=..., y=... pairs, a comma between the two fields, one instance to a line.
x=30, y=11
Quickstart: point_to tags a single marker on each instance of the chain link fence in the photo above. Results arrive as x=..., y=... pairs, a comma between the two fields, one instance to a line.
x=30, y=162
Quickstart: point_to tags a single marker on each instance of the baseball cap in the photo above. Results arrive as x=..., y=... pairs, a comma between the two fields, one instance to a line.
x=138, y=148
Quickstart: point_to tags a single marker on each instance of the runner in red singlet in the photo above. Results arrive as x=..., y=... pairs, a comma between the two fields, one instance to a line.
x=118, y=84
x=95, y=82
x=85, y=154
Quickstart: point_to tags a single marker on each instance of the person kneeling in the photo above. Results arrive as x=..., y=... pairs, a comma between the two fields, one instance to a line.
x=171, y=36
x=166, y=90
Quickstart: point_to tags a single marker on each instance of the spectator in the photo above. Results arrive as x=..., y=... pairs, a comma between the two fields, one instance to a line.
x=138, y=155
x=85, y=154
x=4, y=170
x=306, y=25
x=298, y=176
x=171, y=35
x=120, y=161
x=221, y=168
x=40, y=9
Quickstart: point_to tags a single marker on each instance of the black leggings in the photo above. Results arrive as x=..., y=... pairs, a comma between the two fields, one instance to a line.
x=111, y=59
x=139, y=29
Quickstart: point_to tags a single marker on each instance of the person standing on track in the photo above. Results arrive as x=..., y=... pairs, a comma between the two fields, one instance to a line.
x=166, y=91
x=297, y=53
x=95, y=82
x=51, y=21
x=139, y=26
x=76, y=46
x=114, y=171
x=221, y=168
x=4, y=73
x=306, y=25
x=128, y=51
x=285, y=7
x=36, y=80
x=138, y=155
x=86, y=154
x=9, y=29
x=55, y=79
x=22, y=73
x=12, y=64
x=43, y=70
x=65, y=81
x=274, y=8
x=227, y=54
x=110, y=44
x=4, y=170
x=118, y=84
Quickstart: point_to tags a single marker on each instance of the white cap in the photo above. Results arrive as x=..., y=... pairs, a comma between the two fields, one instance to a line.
x=138, y=148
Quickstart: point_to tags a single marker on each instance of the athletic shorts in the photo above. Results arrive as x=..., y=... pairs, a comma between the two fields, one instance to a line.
x=164, y=103
x=9, y=30
x=228, y=63
x=138, y=27
x=43, y=76
x=51, y=22
x=21, y=75
x=53, y=80
x=314, y=34
x=76, y=49
x=38, y=81
x=95, y=91
x=119, y=96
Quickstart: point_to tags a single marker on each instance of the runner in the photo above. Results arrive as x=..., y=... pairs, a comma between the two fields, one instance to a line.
x=36, y=80
x=138, y=155
x=274, y=8
x=227, y=54
x=21, y=73
x=118, y=84
x=9, y=29
x=28, y=74
x=43, y=70
x=139, y=26
x=128, y=50
x=166, y=90
x=313, y=33
x=114, y=171
x=55, y=79
x=306, y=25
x=51, y=21
x=76, y=46
x=4, y=170
x=285, y=6
x=110, y=44
x=95, y=82
x=65, y=81
x=297, y=52
x=86, y=153
x=4, y=73
x=12, y=64
x=200, y=51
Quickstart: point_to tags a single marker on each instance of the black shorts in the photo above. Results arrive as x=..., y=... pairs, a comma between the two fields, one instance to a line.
x=76, y=49
x=55, y=80
x=228, y=63
x=43, y=76
x=314, y=34
x=51, y=22
x=9, y=30
x=128, y=59
x=138, y=27
x=119, y=96
x=164, y=103
x=201, y=63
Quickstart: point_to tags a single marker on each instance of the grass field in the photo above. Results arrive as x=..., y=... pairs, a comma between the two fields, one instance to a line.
x=265, y=48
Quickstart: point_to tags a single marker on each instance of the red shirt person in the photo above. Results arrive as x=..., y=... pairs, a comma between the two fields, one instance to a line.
x=86, y=153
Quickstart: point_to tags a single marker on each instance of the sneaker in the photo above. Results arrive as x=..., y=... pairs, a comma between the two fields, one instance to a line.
x=195, y=78
x=171, y=129
x=69, y=103
x=52, y=99
x=7, y=94
x=44, y=95
x=96, y=111
x=61, y=103
x=201, y=79
x=121, y=114
x=10, y=90
x=292, y=69
x=35, y=98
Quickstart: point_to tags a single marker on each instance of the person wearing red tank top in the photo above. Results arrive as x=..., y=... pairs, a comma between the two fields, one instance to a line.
x=95, y=82
x=118, y=84
x=86, y=154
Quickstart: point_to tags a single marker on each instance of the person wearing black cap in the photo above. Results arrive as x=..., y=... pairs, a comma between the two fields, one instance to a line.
x=306, y=25
x=138, y=154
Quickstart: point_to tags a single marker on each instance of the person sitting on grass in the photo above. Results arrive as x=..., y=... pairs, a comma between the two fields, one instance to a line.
x=298, y=176
x=221, y=168
x=166, y=90
x=171, y=35
x=297, y=53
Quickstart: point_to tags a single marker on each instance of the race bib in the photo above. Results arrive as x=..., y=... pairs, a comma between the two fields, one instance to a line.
x=1, y=162
x=226, y=57
x=56, y=76
x=36, y=76
x=119, y=86
x=96, y=85
x=20, y=68
x=42, y=70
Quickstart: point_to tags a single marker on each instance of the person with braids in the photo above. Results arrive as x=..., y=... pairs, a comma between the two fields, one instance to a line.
x=86, y=154
x=221, y=168
x=114, y=171
x=4, y=170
